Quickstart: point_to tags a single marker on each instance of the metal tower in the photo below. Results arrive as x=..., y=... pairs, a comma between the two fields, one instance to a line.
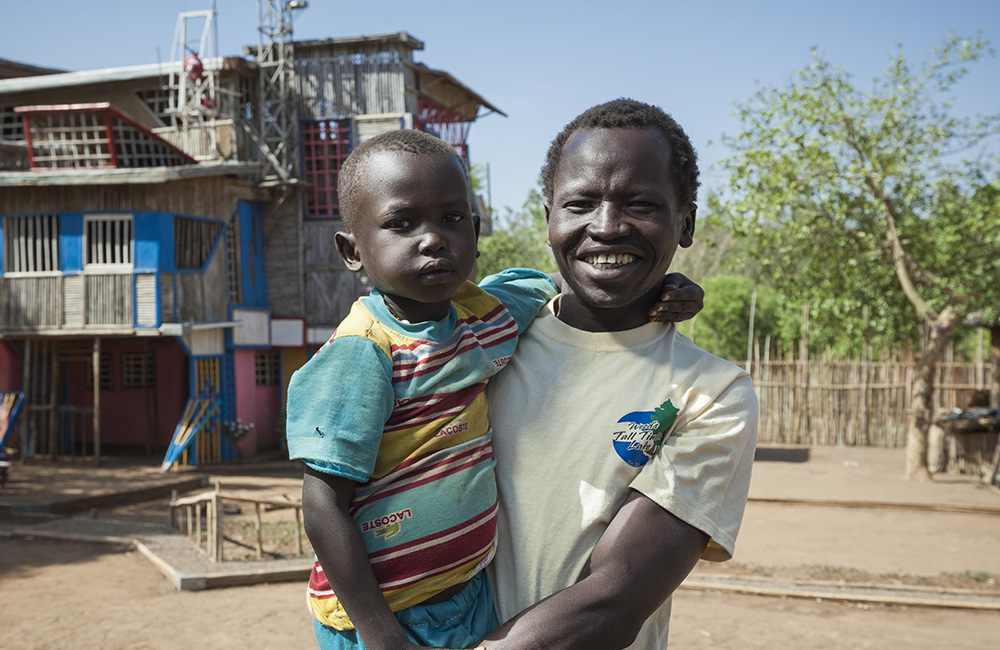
x=276, y=62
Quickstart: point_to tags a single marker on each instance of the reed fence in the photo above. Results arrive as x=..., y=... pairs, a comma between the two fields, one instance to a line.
x=863, y=402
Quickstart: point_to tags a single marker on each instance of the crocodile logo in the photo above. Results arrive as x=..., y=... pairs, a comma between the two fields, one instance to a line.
x=389, y=531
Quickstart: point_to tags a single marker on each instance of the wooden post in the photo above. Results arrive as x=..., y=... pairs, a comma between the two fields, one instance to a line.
x=863, y=436
x=298, y=529
x=753, y=308
x=763, y=389
x=209, y=528
x=29, y=446
x=260, y=544
x=804, y=368
x=54, y=397
x=217, y=505
x=97, y=401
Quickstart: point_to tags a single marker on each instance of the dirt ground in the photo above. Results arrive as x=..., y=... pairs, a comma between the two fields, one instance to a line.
x=59, y=594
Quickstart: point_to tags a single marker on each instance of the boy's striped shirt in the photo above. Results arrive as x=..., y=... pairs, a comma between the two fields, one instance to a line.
x=403, y=412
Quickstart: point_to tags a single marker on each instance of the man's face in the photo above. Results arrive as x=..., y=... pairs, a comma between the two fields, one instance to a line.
x=614, y=225
x=415, y=235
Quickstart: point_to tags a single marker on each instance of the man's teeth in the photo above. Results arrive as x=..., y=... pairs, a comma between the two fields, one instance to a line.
x=616, y=259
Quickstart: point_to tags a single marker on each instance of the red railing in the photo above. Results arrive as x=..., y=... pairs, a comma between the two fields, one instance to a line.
x=93, y=136
x=444, y=123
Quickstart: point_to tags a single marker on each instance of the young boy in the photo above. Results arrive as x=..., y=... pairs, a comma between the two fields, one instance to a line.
x=390, y=415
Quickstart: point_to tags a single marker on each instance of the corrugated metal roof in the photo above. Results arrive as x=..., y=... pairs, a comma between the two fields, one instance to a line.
x=129, y=73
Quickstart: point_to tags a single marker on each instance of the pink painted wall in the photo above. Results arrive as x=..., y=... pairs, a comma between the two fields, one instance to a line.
x=10, y=369
x=258, y=404
x=124, y=410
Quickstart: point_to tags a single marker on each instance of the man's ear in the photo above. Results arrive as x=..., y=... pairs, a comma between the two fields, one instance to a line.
x=548, y=209
x=687, y=237
x=348, y=250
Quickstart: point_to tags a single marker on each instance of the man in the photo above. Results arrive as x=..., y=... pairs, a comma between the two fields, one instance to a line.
x=623, y=451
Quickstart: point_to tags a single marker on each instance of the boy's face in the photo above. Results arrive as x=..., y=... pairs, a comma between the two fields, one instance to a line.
x=415, y=234
x=615, y=222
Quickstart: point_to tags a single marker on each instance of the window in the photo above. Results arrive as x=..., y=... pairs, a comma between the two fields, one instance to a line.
x=108, y=241
x=105, y=372
x=325, y=145
x=193, y=241
x=268, y=367
x=138, y=370
x=31, y=244
x=11, y=126
x=158, y=101
x=234, y=270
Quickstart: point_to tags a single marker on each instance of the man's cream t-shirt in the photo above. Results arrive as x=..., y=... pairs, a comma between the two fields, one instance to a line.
x=580, y=418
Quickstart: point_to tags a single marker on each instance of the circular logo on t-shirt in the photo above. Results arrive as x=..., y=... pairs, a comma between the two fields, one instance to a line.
x=642, y=433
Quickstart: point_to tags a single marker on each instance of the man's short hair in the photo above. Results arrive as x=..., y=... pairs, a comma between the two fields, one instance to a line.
x=627, y=114
x=354, y=172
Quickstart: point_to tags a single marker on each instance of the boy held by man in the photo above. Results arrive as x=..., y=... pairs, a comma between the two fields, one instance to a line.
x=390, y=416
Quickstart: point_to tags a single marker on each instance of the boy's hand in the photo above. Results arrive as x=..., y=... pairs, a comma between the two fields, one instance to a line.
x=680, y=299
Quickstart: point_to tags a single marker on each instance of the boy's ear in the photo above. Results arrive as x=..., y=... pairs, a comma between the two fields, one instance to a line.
x=477, y=223
x=348, y=250
x=687, y=237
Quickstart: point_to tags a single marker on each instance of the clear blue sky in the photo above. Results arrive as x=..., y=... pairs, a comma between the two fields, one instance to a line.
x=542, y=62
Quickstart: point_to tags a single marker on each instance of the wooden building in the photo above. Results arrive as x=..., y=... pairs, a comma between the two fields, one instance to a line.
x=150, y=256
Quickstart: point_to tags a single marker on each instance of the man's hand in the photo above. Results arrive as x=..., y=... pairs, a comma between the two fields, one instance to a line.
x=680, y=299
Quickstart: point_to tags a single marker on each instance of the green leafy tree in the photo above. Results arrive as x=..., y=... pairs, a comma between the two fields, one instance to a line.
x=723, y=326
x=716, y=249
x=879, y=197
x=519, y=239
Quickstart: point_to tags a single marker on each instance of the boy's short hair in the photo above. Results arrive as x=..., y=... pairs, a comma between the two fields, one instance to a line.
x=353, y=174
x=626, y=114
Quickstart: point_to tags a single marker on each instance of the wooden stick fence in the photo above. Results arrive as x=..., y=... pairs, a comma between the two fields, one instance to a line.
x=809, y=401
x=186, y=516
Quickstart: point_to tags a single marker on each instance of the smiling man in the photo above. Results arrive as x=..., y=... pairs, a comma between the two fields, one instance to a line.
x=623, y=450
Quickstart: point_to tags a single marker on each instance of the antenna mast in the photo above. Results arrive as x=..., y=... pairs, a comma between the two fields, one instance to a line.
x=193, y=86
x=276, y=62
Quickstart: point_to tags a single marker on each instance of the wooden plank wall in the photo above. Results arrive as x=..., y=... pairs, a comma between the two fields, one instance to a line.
x=204, y=297
x=204, y=197
x=371, y=80
x=282, y=224
x=330, y=288
x=27, y=303
x=219, y=140
x=210, y=197
x=108, y=299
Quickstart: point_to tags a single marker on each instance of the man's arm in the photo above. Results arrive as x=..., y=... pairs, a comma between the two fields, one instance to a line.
x=341, y=552
x=640, y=560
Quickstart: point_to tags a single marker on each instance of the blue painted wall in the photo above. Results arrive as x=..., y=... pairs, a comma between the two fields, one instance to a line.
x=252, y=253
x=71, y=242
x=153, y=233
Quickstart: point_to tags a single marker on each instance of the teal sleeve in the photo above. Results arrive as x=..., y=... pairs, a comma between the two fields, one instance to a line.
x=338, y=404
x=522, y=291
